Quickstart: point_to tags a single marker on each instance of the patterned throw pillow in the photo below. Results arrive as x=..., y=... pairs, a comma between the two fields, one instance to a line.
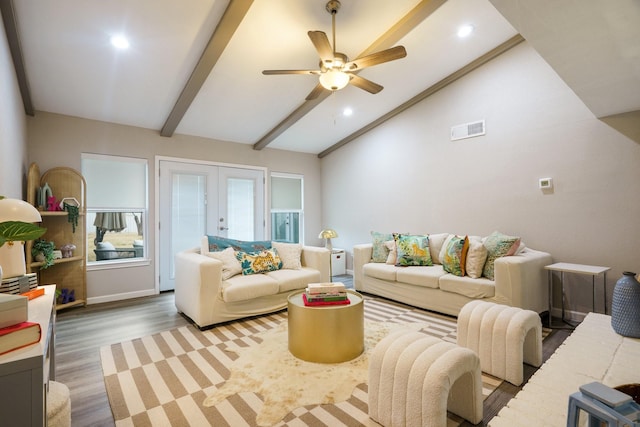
x=412, y=250
x=230, y=264
x=379, y=252
x=498, y=245
x=217, y=243
x=289, y=254
x=454, y=254
x=259, y=262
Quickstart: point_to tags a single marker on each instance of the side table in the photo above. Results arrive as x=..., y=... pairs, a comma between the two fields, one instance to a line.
x=589, y=270
x=326, y=334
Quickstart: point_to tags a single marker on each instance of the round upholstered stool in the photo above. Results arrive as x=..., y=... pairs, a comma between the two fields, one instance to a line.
x=58, y=405
x=504, y=337
x=414, y=378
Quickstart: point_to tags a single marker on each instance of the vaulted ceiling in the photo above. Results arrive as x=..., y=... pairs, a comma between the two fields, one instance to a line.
x=196, y=68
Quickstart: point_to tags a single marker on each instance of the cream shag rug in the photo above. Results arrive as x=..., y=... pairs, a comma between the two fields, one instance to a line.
x=286, y=382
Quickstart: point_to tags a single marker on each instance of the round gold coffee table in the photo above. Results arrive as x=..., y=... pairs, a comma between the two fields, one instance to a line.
x=326, y=334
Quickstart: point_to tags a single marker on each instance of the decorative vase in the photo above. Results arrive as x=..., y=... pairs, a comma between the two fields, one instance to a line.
x=625, y=307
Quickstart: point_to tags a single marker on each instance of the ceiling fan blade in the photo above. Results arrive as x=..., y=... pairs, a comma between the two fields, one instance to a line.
x=271, y=72
x=376, y=58
x=365, y=84
x=321, y=43
x=315, y=92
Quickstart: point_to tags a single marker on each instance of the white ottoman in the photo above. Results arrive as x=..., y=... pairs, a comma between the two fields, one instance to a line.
x=414, y=378
x=58, y=405
x=503, y=337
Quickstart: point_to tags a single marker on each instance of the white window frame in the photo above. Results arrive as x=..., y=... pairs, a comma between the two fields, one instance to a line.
x=144, y=210
x=300, y=211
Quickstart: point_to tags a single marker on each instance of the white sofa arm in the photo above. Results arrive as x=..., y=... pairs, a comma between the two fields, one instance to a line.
x=521, y=280
x=319, y=259
x=198, y=280
x=361, y=255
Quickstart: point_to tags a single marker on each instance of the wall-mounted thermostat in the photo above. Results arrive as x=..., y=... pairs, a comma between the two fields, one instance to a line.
x=545, y=183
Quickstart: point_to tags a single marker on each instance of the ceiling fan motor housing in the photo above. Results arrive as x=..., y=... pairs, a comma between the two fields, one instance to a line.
x=333, y=6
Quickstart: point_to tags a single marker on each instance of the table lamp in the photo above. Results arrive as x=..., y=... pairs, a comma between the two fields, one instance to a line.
x=328, y=234
x=12, y=255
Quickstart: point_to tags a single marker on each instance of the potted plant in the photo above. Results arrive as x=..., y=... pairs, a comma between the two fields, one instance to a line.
x=42, y=251
x=13, y=229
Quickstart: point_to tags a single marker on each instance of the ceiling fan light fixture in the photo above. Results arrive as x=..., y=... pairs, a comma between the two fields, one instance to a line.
x=334, y=80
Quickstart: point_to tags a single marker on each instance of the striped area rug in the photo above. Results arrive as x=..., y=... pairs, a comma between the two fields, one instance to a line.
x=164, y=379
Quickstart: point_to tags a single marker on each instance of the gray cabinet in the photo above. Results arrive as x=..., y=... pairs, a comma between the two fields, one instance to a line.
x=25, y=373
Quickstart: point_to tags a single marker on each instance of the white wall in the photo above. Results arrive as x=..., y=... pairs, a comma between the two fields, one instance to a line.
x=13, y=131
x=57, y=140
x=407, y=176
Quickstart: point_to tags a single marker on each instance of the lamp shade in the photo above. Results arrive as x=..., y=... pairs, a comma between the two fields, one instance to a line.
x=334, y=80
x=18, y=210
x=328, y=233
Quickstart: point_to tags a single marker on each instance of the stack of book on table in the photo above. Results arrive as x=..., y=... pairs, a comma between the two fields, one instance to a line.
x=325, y=294
x=15, y=331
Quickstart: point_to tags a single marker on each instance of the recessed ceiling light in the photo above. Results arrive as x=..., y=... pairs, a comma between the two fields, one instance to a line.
x=347, y=111
x=465, y=30
x=120, y=41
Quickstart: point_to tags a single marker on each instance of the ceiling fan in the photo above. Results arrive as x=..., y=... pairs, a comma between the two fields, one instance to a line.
x=336, y=71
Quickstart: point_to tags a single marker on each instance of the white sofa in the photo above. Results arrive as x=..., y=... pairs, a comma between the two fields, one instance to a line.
x=519, y=281
x=202, y=295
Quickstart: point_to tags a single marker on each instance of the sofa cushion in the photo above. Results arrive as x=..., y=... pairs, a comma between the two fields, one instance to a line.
x=412, y=250
x=435, y=245
x=380, y=271
x=242, y=288
x=498, y=245
x=289, y=254
x=379, y=251
x=476, y=257
x=289, y=280
x=230, y=264
x=420, y=276
x=259, y=262
x=472, y=288
x=453, y=255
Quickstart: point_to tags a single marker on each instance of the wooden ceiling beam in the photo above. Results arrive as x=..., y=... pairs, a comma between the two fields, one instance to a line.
x=497, y=51
x=231, y=19
x=10, y=28
x=389, y=39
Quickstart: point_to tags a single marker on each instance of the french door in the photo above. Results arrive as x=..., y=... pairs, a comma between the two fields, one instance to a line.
x=202, y=199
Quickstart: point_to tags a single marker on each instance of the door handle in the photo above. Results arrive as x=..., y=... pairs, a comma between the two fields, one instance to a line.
x=223, y=228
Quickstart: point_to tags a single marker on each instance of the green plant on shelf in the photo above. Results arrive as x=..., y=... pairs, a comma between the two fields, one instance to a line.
x=72, y=214
x=44, y=248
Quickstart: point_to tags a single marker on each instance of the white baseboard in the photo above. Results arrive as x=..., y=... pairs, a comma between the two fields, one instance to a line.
x=120, y=297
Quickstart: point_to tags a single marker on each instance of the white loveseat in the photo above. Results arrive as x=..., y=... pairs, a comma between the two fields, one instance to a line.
x=202, y=295
x=519, y=280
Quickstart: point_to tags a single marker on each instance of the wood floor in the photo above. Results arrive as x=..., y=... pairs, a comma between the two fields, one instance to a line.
x=80, y=332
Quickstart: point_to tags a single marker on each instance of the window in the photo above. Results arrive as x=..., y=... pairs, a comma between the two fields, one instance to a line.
x=286, y=208
x=116, y=208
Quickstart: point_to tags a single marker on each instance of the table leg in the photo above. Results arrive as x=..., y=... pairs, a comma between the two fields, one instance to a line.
x=562, y=296
x=550, y=279
x=604, y=286
x=593, y=291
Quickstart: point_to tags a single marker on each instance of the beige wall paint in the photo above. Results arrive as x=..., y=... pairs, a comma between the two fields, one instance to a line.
x=13, y=130
x=57, y=140
x=407, y=176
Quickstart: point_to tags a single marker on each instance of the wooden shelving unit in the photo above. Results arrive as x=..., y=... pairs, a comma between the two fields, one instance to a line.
x=69, y=273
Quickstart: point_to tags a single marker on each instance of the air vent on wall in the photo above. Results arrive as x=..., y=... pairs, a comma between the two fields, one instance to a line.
x=467, y=130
